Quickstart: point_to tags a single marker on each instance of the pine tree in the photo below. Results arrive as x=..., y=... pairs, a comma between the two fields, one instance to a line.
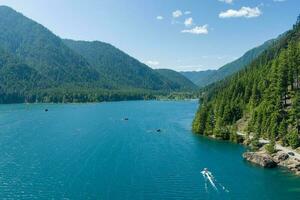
x=271, y=147
x=200, y=120
x=254, y=99
x=227, y=114
x=210, y=123
x=295, y=112
x=293, y=139
x=255, y=145
x=283, y=76
x=283, y=132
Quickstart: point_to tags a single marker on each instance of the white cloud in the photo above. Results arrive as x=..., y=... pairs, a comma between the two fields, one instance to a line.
x=152, y=62
x=246, y=12
x=177, y=13
x=188, y=21
x=187, y=12
x=279, y=0
x=197, y=30
x=226, y=1
x=159, y=17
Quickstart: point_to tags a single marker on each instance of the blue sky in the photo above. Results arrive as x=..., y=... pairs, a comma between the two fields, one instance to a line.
x=177, y=34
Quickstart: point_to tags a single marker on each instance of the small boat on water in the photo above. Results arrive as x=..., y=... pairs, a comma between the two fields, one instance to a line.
x=208, y=176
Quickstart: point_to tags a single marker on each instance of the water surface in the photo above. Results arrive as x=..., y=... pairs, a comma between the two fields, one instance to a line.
x=87, y=151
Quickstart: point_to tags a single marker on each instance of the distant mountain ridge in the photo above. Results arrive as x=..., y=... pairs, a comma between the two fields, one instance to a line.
x=177, y=79
x=200, y=78
x=204, y=78
x=37, y=65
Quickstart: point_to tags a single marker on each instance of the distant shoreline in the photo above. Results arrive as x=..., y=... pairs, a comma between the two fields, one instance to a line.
x=99, y=102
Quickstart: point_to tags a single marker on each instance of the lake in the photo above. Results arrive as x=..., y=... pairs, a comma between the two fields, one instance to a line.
x=88, y=151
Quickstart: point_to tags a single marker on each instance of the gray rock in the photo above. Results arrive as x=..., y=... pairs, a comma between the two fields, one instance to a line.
x=291, y=153
x=297, y=166
x=283, y=157
x=261, y=159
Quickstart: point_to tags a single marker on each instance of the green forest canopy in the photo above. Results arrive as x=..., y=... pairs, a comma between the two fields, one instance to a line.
x=266, y=95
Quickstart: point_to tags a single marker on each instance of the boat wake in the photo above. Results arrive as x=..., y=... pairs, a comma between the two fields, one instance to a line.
x=209, y=178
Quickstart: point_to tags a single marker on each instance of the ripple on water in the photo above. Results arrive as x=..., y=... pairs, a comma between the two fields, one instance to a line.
x=87, y=152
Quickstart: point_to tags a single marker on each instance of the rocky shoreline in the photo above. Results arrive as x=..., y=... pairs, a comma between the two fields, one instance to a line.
x=280, y=158
x=284, y=156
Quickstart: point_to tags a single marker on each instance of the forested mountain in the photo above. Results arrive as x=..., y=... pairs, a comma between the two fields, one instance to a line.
x=177, y=79
x=265, y=96
x=119, y=68
x=38, y=66
x=36, y=46
x=204, y=78
x=17, y=76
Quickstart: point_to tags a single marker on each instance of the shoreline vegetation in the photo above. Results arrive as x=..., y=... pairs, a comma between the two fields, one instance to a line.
x=262, y=102
x=108, y=96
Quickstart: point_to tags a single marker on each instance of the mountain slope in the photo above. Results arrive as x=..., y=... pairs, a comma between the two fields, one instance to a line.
x=120, y=68
x=177, y=79
x=37, y=47
x=17, y=78
x=204, y=78
x=263, y=99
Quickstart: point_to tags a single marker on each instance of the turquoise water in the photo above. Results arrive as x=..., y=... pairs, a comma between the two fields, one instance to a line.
x=86, y=151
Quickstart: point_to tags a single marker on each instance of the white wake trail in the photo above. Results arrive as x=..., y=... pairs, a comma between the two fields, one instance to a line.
x=207, y=175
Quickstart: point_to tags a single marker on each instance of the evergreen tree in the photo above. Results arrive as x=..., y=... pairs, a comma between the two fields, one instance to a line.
x=283, y=132
x=283, y=76
x=255, y=145
x=293, y=139
x=266, y=95
x=200, y=120
x=271, y=147
x=295, y=112
x=210, y=123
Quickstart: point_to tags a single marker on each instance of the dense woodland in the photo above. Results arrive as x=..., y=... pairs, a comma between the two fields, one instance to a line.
x=265, y=96
x=38, y=66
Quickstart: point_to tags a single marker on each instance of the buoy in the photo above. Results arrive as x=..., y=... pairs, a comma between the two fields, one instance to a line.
x=46, y=110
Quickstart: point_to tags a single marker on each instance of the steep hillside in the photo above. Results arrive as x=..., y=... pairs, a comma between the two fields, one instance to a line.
x=177, y=79
x=117, y=66
x=266, y=96
x=37, y=47
x=204, y=78
x=122, y=69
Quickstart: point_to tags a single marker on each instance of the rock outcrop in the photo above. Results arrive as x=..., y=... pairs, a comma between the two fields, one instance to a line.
x=283, y=157
x=279, y=158
x=288, y=161
x=260, y=158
